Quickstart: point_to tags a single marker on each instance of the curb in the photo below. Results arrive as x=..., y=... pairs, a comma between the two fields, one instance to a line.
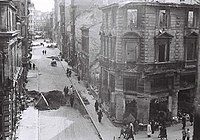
x=92, y=121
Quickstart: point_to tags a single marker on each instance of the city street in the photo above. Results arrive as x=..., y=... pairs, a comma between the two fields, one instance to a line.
x=64, y=123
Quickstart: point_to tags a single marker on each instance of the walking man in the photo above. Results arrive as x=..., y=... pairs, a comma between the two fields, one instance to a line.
x=100, y=115
x=183, y=134
x=72, y=99
x=184, y=121
x=96, y=105
x=188, y=134
x=33, y=66
x=149, y=132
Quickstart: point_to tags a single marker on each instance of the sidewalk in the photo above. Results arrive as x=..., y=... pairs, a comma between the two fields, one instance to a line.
x=106, y=129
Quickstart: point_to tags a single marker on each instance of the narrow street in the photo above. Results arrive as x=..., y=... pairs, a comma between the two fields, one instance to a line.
x=64, y=123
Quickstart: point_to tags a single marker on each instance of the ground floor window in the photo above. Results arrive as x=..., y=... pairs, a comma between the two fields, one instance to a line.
x=159, y=109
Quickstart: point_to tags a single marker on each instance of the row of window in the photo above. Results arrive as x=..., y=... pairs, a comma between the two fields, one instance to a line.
x=134, y=16
x=130, y=84
x=108, y=44
x=162, y=48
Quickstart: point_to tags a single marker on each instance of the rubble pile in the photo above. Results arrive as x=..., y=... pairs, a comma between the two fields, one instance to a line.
x=50, y=100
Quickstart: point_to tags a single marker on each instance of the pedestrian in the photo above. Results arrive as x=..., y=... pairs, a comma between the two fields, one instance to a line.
x=71, y=90
x=123, y=131
x=136, y=126
x=33, y=66
x=66, y=90
x=30, y=65
x=70, y=73
x=191, y=119
x=183, y=134
x=79, y=78
x=131, y=131
x=43, y=52
x=72, y=99
x=184, y=121
x=152, y=122
x=188, y=134
x=96, y=105
x=67, y=72
x=149, y=130
x=100, y=115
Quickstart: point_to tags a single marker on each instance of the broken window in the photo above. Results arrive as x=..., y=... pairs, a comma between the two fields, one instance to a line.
x=132, y=18
x=164, y=18
x=163, y=52
x=192, y=18
x=191, y=45
x=162, y=48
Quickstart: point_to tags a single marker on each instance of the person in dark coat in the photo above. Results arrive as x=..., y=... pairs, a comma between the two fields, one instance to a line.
x=152, y=126
x=184, y=121
x=33, y=66
x=66, y=90
x=79, y=78
x=191, y=119
x=100, y=115
x=96, y=105
x=72, y=100
x=130, y=132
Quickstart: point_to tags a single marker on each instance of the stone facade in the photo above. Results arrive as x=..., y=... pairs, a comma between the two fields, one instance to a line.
x=146, y=48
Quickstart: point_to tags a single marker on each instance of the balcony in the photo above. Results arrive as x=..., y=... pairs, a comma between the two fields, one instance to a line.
x=161, y=67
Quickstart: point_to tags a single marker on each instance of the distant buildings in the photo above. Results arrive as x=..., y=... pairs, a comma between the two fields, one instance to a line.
x=148, y=59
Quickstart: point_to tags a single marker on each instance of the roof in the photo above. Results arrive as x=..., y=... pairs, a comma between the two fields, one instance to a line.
x=139, y=3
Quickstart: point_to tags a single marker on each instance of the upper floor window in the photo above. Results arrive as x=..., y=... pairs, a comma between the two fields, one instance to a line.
x=106, y=20
x=132, y=18
x=191, y=46
x=162, y=47
x=113, y=18
x=131, y=51
x=131, y=46
x=192, y=18
x=164, y=18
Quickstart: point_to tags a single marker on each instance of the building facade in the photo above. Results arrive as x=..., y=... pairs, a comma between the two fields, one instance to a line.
x=148, y=59
x=13, y=63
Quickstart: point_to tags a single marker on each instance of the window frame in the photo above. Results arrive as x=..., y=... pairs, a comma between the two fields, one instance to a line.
x=168, y=18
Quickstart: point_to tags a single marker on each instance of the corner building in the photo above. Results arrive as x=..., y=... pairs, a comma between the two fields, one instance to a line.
x=148, y=59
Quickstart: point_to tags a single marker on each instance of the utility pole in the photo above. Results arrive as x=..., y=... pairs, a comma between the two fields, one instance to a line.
x=73, y=54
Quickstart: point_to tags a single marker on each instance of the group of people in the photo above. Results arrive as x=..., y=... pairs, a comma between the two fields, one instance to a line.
x=127, y=131
x=31, y=66
x=44, y=52
x=70, y=94
x=186, y=131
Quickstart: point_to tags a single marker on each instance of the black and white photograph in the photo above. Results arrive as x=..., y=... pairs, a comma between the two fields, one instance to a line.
x=99, y=69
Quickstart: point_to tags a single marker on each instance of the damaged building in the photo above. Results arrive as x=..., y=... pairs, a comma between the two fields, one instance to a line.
x=148, y=59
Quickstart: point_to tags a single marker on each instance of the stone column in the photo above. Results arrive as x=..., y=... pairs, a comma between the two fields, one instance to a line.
x=120, y=105
x=174, y=108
